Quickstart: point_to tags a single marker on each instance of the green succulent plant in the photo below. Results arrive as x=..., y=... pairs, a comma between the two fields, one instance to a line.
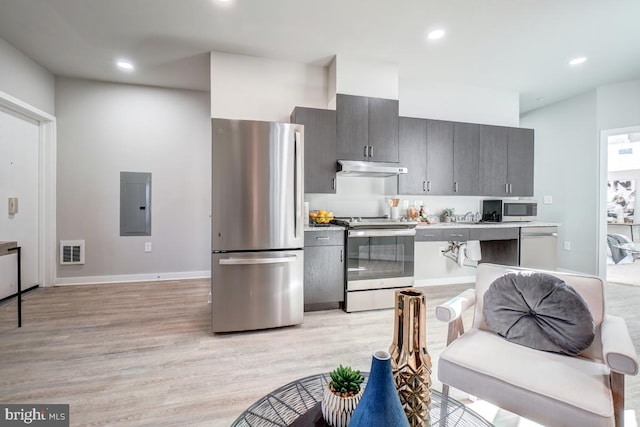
x=345, y=381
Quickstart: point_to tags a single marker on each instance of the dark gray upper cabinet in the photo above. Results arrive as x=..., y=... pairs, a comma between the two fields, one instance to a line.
x=412, y=137
x=493, y=161
x=466, y=152
x=383, y=130
x=353, y=127
x=439, y=157
x=520, y=165
x=367, y=128
x=319, y=148
x=506, y=161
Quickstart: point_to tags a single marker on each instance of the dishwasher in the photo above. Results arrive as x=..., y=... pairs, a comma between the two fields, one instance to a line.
x=539, y=247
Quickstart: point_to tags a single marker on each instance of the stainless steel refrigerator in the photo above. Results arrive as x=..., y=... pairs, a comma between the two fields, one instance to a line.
x=257, y=225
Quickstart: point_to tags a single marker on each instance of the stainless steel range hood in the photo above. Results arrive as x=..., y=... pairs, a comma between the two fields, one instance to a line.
x=370, y=169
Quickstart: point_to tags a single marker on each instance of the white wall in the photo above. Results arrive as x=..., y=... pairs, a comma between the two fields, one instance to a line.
x=445, y=101
x=362, y=77
x=106, y=128
x=566, y=165
x=24, y=79
x=251, y=88
x=619, y=105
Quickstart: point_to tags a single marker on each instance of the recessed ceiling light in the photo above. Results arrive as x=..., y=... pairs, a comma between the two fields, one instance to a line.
x=577, y=61
x=125, y=65
x=435, y=34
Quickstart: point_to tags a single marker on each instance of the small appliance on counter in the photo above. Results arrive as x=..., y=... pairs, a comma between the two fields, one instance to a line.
x=509, y=210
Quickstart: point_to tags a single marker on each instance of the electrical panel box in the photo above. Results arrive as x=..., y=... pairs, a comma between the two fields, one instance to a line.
x=135, y=204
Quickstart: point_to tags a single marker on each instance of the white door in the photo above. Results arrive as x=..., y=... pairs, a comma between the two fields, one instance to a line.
x=19, y=138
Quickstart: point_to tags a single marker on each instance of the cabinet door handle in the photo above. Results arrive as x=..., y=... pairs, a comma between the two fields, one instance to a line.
x=424, y=185
x=427, y=235
x=428, y=185
x=506, y=188
x=322, y=238
x=333, y=183
x=371, y=151
x=455, y=187
x=455, y=235
x=366, y=151
x=340, y=255
x=510, y=188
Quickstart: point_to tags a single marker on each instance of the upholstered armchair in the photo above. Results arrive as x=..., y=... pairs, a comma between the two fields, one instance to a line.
x=550, y=388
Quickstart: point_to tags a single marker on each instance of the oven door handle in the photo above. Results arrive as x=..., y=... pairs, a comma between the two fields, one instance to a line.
x=381, y=233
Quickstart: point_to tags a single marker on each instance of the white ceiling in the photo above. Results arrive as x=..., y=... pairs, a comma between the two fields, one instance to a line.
x=516, y=45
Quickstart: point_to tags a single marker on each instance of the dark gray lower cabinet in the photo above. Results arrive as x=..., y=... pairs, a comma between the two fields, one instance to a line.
x=323, y=270
x=498, y=245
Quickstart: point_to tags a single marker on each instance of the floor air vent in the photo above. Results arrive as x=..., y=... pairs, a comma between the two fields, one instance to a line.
x=71, y=252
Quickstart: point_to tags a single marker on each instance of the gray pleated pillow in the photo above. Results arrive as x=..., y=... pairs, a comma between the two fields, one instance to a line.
x=540, y=311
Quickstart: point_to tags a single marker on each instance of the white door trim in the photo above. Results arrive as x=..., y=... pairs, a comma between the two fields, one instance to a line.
x=602, y=199
x=46, y=185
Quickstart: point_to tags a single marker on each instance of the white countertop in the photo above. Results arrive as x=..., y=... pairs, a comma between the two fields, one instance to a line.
x=330, y=227
x=443, y=225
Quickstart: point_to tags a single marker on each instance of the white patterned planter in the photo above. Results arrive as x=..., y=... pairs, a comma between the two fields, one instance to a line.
x=337, y=410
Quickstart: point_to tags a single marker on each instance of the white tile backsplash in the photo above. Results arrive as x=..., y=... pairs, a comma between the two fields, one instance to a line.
x=360, y=196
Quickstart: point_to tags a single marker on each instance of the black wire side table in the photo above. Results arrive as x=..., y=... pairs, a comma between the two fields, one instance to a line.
x=292, y=403
x=7, y=248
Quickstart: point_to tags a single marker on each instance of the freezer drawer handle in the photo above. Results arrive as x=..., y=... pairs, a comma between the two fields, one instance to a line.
x=246, y=261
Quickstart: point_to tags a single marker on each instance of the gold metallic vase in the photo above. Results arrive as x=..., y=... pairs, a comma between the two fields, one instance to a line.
x=410, y=362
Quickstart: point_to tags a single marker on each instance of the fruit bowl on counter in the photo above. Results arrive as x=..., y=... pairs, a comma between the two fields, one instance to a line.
x=320, y=217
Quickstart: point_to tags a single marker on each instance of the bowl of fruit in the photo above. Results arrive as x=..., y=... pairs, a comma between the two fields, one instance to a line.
x=320, y=217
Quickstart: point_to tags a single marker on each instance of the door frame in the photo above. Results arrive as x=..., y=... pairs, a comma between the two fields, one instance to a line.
x=602, y=196
x=46, y=185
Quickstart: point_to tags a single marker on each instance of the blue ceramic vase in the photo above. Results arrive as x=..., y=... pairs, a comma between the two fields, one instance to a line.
x=380, y=405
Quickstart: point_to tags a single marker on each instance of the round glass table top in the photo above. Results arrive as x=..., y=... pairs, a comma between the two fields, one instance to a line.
x=298, y=404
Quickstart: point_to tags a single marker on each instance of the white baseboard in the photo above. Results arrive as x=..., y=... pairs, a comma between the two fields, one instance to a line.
x=444, y=281
x=147, y=277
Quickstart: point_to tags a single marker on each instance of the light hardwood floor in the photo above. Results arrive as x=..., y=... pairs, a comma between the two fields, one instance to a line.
x=143, y=354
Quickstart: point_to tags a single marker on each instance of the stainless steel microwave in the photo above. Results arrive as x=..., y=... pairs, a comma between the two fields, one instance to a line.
x=509, y=210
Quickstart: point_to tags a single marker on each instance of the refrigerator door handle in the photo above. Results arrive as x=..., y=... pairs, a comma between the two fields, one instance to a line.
x=252, y=261
x=297, y=185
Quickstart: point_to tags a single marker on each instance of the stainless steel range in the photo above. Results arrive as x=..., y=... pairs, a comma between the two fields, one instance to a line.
x=380, y=260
